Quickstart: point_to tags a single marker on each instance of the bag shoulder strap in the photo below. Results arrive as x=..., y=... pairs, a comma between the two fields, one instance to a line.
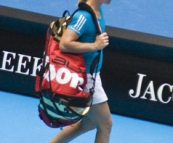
x=86, y=7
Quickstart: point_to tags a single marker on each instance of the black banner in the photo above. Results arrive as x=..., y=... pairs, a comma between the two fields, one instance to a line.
x=139, y=87
x=136, y=74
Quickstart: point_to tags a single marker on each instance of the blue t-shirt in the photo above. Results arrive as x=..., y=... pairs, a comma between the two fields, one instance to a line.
x=84, y=26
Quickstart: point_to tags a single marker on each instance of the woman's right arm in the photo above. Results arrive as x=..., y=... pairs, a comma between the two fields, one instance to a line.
x=69, y=43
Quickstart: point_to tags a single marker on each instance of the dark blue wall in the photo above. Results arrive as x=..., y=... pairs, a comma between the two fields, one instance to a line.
x=129, y=55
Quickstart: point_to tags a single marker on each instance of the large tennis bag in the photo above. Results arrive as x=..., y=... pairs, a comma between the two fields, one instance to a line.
x=62, y=78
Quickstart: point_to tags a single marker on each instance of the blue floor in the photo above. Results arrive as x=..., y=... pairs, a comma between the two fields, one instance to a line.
x=20, y=124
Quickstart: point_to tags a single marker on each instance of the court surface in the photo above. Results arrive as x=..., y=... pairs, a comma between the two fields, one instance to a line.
x=20, y=124
x=18, y=113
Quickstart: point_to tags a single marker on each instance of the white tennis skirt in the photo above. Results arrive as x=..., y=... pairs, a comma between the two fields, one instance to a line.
x=99, y=94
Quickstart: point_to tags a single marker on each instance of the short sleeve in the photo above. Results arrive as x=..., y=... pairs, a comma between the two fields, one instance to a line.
x=80, y=22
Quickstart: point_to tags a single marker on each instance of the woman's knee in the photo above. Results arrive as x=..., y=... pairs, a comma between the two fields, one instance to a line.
x=109, y=124
x=101, y=116
x=106, y=125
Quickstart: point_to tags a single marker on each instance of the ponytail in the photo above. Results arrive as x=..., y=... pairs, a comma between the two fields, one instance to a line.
x=80, y=1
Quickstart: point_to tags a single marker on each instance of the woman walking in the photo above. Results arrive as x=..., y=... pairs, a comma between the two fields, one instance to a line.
x=81, y=37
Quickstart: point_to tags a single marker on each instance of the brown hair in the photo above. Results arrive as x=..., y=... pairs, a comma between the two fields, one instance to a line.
x=79, y=1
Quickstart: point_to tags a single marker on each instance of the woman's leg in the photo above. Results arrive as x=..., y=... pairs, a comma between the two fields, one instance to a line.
x=72, y=131
x=101, y=116
x=98, y=117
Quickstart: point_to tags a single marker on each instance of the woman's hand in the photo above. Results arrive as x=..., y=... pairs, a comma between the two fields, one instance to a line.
x=101, y=41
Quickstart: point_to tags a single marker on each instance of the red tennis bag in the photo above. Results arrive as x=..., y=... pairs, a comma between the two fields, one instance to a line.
x=62, y=78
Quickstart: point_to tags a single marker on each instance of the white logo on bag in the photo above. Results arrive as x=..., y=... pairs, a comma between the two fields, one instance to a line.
x=63, y=76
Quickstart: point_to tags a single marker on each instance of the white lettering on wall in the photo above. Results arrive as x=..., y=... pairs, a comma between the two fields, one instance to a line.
x=22, y=62
x=18, y=63
x=6, y=61
x=149, y=90
x=36, y=66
